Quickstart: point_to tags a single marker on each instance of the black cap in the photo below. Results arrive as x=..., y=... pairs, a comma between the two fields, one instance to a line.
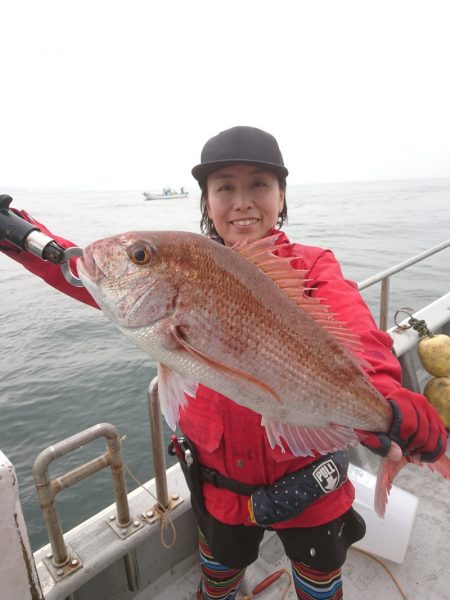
x=240, y=145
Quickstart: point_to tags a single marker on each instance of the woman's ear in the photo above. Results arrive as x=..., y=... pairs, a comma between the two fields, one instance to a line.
x=282, y=200
x=206, y=205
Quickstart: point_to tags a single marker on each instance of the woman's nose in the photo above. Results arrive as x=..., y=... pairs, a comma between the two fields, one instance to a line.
x=242, y=200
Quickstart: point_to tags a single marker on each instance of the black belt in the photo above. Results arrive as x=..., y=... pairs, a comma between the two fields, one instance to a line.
x=185, y=450
x=220, y=481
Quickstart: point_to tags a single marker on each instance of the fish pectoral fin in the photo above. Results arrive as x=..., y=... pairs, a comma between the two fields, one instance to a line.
x=172, y=390
x=305, y=441
x=220, y=366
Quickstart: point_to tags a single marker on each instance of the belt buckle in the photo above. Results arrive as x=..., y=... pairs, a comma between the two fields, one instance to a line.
x=188, y=458
x=211, y=476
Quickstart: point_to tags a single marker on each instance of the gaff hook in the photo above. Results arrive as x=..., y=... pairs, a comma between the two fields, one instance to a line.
x=65, y=266
x=29, y=237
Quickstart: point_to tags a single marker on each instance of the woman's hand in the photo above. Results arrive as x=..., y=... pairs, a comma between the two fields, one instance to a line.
x=416, y=429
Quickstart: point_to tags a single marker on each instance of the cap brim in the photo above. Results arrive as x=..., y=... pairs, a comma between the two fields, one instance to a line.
x=201, y=171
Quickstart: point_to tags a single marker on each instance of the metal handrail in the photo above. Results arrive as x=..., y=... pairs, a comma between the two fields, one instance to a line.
x=47, y=488
x=384, y=277
x=157, y=440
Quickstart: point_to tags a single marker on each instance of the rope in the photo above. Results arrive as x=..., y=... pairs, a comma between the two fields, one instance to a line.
x=274, y=576
x=166, y=521
x=418, y=325
x=386, y=568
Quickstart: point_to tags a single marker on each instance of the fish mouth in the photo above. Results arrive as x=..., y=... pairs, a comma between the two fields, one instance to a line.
x=92, y=277
x=88, y=268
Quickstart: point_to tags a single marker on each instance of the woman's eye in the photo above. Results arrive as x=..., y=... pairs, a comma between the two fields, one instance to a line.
x=259, y=183
x=140, y=255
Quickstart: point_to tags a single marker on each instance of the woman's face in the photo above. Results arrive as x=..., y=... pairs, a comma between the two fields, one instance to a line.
x=243, y=202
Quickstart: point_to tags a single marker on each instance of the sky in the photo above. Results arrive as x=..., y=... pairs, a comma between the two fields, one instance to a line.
x=108, y=94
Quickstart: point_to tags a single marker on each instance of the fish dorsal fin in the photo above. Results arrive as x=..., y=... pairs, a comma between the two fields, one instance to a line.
x=294, y=283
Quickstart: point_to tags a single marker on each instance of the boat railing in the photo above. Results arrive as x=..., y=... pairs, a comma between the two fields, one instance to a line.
x=385, y=276
x=157, y=441
x=62, y=560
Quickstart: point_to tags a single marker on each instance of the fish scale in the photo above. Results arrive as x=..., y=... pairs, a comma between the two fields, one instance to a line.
x=284, y=341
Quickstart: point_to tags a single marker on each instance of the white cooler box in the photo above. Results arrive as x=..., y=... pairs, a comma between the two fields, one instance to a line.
x=387, y=537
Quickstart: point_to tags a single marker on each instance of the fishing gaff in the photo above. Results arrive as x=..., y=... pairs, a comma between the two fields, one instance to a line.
x=29, y=237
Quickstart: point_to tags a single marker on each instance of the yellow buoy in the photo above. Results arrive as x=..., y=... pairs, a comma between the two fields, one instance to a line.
x=434, y=350
x=437, y=391
x=434, y=353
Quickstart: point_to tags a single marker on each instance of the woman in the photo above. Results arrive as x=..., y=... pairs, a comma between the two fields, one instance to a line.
x=237, y=475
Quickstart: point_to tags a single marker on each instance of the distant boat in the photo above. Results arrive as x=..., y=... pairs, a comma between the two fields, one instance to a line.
x=166, y=194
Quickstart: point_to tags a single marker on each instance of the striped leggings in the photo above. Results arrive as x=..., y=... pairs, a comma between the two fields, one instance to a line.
x=219, y=582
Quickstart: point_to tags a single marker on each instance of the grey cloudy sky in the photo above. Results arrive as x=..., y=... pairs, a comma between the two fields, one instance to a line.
x=122, y=94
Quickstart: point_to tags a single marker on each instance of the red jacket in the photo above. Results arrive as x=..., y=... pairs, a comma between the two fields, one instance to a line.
x=228, y=437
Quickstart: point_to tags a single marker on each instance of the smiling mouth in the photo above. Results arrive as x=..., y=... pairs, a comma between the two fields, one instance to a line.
x=243, y=222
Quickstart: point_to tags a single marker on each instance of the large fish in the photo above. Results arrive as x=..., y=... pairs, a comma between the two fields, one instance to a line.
x=238, y=321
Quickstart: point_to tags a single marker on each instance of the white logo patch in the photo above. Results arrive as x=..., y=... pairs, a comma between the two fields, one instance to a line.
x=327, y=476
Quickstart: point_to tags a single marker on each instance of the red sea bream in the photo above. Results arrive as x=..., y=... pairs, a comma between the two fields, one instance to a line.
x=238, y=321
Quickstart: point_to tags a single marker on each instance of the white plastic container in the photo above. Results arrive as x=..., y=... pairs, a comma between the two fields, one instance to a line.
x=388, y=537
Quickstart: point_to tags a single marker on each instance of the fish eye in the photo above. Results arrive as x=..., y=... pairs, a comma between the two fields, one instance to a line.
x=139, y=254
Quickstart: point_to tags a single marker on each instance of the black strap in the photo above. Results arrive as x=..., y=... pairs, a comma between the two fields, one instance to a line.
x=247, y=489
x=220, y=481
x=194, y=470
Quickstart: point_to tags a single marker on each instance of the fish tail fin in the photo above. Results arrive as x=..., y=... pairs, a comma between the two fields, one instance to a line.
x=387, y=472
x=389, y=469
x=442, y=466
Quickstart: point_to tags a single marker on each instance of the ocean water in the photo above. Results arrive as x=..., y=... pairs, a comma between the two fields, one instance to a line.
x=64, y=367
